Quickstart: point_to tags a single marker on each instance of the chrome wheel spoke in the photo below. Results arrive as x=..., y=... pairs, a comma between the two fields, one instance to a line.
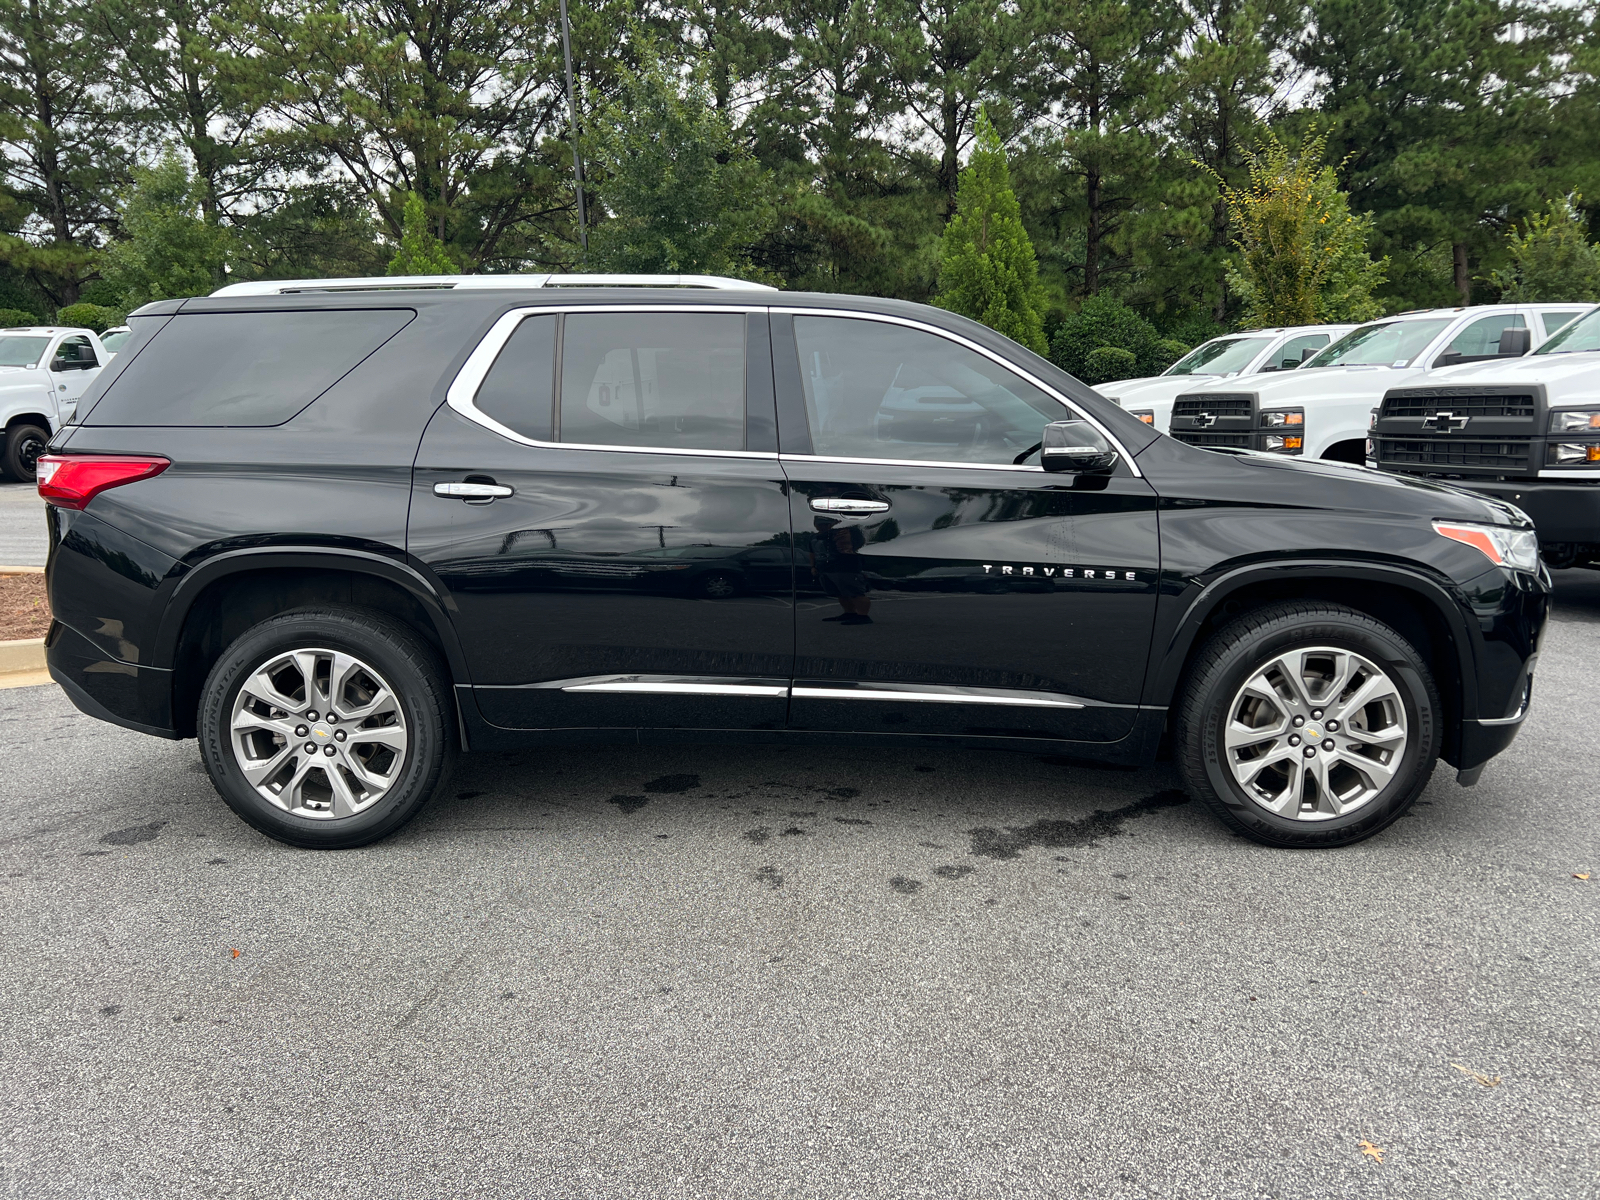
x=1296, y=693
x=358, y=733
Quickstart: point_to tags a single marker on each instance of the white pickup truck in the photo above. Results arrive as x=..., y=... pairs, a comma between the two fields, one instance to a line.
x=1525, y=431
x=1255, y=351
x=43, y=371
x=1323, y=409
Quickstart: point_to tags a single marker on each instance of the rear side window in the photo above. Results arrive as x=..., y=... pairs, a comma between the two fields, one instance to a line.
x=519, y=390
x=257, y=368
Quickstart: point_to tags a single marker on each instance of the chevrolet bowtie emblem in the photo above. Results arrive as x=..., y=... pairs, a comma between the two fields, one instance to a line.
x=1204, y=419
x=1444, y=422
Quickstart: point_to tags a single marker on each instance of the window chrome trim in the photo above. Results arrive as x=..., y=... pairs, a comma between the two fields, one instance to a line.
x=1071, y=405
x=464, y=388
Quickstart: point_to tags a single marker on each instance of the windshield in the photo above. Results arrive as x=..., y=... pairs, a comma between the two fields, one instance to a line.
x=22, y=351
x=1576, y=338
x=1220, y=356
x=1386, y=344
x=113, y=340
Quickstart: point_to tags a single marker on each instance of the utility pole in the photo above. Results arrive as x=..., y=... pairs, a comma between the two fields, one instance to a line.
x=572, y=111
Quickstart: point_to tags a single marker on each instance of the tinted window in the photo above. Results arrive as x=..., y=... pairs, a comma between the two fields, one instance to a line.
x=256, y=368
x=1482, y=338
x=653, y=379
x=520, y=389
x=876, y=390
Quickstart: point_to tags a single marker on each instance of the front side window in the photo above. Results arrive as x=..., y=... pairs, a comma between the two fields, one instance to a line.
x=1292, y=353
x=1481, y=339
x=878, y=390
x=1581, y=336
x=673, y=380
x=76, y=354
x=1220, y=356
x=22, y=351
x=1382, y=344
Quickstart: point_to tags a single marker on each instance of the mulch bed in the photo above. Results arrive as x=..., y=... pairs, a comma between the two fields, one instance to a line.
x=24, y=611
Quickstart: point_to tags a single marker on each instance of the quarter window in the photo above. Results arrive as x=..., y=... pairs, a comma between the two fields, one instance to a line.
x=674, y=380
x=519, y=390
x=878, y=390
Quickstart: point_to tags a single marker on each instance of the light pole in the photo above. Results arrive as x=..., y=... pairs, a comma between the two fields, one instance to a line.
x=572, y=111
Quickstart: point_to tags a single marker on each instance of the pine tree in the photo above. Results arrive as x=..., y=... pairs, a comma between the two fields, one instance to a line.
x=1552, y=258
x=420, y=253
x=987, y=268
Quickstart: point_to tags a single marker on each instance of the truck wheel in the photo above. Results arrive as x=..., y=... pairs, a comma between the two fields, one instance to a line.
x=23, y=446
x=1307, y=724
x=327, y=728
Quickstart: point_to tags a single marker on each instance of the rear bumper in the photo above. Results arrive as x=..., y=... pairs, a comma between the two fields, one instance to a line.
x=108, y=689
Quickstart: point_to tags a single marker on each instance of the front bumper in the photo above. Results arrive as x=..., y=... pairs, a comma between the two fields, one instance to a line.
x=1561, y=512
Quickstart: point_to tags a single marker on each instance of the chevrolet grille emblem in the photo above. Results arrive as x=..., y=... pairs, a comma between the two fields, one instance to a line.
x=1204, y=419
x=1444, y=422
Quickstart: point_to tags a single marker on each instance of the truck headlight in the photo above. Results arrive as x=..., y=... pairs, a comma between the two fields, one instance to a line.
x=1500, y=544
x=1567, y=453
x=1146, y=415
x=1282, y=417
x=1567, y=420
x=1290, y=445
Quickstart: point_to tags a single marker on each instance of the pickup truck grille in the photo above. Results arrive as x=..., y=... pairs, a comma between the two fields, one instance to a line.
x=1217, y=406
x=1509, y=456
x=1210, y=441
x=1412, y=404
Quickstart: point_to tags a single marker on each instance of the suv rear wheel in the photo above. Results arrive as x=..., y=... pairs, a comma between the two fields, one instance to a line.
x=327, y=728
x=1306, y=724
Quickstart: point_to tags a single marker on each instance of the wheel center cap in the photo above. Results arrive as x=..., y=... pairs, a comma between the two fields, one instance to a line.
x=321, y=733
x=1312, y=733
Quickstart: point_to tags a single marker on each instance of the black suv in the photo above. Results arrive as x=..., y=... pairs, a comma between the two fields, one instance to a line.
x=341, y=530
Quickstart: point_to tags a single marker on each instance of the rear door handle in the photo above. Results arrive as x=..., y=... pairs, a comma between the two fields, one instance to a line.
x=836, y=504
x=481, y=492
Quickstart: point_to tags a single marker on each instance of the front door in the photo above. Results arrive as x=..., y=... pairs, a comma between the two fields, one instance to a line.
x=606, y=510
x=945, y=583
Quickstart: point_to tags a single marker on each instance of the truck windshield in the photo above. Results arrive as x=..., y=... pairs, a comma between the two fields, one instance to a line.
x=22, y=351
x=1580, y=336
x=1385, y=344
x=1220, y=356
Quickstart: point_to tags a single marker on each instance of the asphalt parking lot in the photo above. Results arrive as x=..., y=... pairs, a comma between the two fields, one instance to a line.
x=737, y=972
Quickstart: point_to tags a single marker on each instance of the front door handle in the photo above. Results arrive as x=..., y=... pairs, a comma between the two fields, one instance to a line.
x=481, y=492
x=847, y=507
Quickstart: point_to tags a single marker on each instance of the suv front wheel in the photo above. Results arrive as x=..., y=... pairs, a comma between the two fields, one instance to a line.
x=1307, y=724
x=327, y=728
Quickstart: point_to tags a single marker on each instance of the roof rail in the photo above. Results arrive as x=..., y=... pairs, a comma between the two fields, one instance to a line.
x=278, y=287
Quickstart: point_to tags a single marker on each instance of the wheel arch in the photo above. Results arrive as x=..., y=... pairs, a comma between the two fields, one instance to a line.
x=1418, y=608
x=216, y=602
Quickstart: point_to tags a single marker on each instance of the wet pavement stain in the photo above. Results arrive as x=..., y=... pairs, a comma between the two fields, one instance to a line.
x=759, y=834
x=111, y=1010
x=953, y=872
x=906, y=887
x=851, y=821
x=133, y=834
x=628, y=804
x=673, y=783
x=769, y=877
x=1010, y=843
x=793, y=831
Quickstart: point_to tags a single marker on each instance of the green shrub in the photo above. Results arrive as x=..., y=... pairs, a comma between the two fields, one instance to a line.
x=1105, y=363
x=96, y=318
x=1170, y=350
x=1106, y=321
x=10, y=318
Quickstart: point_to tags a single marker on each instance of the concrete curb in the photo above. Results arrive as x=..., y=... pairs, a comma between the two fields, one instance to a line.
x=21, y=570
x=22, y=663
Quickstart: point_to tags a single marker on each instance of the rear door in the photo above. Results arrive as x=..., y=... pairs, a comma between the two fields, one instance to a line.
x=944, y=586
x=602, y=500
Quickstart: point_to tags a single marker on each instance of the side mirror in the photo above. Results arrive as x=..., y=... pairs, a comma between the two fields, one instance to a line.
x=1515, y=342
x=1075, y=448
x=60, y=364
x=1290, y=364
x=1448, y=359
x=1308, y=352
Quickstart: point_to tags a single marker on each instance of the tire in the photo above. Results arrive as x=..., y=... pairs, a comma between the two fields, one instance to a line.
x=391, y=756
x=1383, y=750
x=23, y=445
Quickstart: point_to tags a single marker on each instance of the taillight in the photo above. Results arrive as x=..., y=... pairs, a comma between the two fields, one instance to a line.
x=72, y=480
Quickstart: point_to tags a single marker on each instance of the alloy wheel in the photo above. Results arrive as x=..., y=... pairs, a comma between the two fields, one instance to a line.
x=1315, y=733
x=318, y=733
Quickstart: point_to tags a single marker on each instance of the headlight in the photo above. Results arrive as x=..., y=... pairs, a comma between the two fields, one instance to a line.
x=1567, y=453
x=1289, y=444
x=1287, y=416
x=1501, y=545
x=1146, y=415
x=1567, y=420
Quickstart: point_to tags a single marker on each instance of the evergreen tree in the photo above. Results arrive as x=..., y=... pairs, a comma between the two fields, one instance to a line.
x=1551, y=258
x=987, y=268
x=171, y=250
x=1303, y=257
x=419, y=252
x=683, y=194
